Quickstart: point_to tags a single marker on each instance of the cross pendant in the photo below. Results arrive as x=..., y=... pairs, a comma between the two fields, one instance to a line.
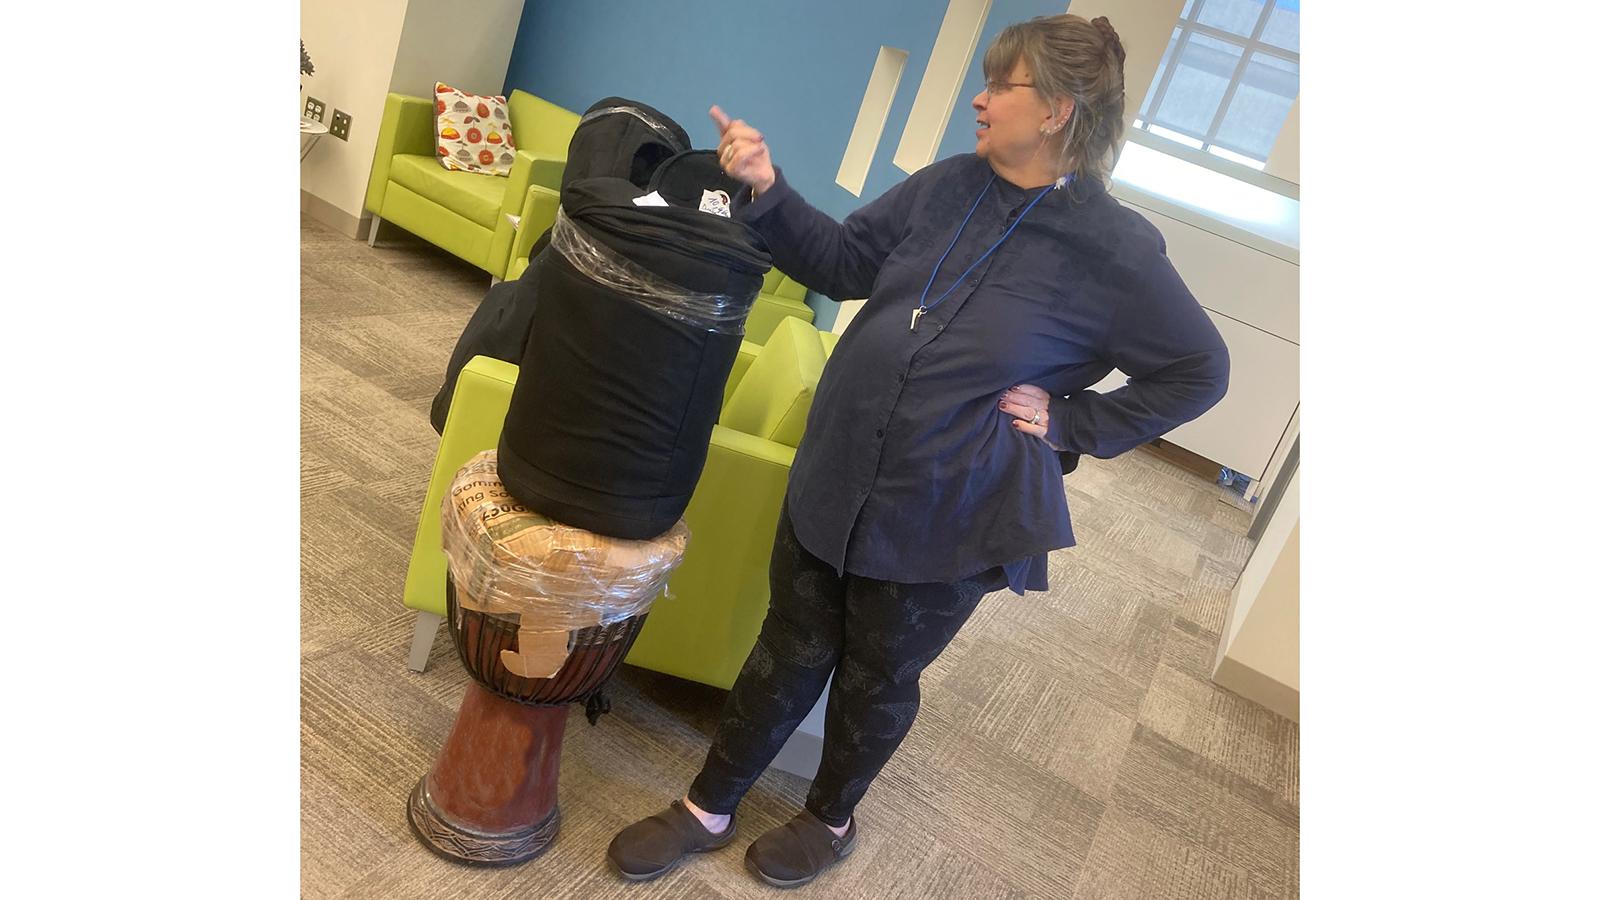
x=915, y=315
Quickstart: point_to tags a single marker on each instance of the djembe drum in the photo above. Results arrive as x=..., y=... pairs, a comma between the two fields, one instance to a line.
x=541, y=614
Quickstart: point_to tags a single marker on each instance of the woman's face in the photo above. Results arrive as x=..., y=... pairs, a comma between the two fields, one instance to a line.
x=1009, y=116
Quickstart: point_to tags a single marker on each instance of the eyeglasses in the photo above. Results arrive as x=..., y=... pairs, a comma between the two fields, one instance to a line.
x=995, y=87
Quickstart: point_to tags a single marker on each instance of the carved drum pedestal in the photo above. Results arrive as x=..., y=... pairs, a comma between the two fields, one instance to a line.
x=541, y=615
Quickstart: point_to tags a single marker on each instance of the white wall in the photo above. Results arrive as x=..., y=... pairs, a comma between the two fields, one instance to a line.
x=1259, y=654
x=352, y=44
x=1284, y=160
x=867, y=132
x=464, y=45
x=1254, y=575
x=363, y=49
x=1144, y=26
x=847, y=314
x=940, y=87
x=1268, y=640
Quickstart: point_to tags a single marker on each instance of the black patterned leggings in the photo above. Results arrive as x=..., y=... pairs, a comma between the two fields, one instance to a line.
x=879, y=634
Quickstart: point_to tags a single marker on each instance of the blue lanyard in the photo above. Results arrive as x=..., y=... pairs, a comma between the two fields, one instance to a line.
x=923, y=305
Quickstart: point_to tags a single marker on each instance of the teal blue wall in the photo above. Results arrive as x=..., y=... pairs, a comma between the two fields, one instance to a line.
x=795, y=70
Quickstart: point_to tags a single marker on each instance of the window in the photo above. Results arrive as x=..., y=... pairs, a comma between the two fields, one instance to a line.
x=1227, y=80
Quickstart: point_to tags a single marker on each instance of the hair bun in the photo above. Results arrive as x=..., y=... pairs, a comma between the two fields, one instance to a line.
x=1112, y=40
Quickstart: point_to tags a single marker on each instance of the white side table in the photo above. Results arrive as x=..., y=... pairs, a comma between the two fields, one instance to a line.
x=311, y=131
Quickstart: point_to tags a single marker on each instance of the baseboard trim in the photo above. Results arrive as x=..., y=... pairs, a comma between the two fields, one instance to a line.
x=332, y=216
x=1263, y=689
x=1185, y=459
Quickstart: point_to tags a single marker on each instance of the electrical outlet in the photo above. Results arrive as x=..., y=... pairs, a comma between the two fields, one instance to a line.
x=341, y=125
x=315, y=109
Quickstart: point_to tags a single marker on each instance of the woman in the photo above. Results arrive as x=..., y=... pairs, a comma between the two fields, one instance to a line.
x=1001, y=284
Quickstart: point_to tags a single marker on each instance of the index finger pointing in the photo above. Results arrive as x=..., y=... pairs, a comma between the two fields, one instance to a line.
x=721, y=118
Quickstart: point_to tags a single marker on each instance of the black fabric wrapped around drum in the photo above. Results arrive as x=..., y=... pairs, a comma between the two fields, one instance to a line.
x=684, y=179
x=618, y=137
x=640, y=316
x=622, y=138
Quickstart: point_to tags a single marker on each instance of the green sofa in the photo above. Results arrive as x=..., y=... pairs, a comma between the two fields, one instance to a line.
x=705, y=626
x=466, y=213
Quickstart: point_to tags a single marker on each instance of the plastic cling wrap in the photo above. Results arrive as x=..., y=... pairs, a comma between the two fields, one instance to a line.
x=721, y=313
x=506, y=559
x=654, y=123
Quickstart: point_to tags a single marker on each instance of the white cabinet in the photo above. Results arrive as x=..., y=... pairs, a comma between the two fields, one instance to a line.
x=1242, y=430
x=1253, y=298
x=1227, y=277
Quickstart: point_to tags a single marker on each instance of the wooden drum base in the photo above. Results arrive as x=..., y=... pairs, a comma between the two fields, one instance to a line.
x=490, y=798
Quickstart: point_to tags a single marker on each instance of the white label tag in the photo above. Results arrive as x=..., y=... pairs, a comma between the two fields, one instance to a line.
x=653, y=198
x=717, y=203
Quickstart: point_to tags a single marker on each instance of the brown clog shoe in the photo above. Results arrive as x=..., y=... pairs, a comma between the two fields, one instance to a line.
x=797, y=851
x=651, y=847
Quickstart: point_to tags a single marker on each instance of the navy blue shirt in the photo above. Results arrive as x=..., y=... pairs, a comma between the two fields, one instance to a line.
x=908, y=470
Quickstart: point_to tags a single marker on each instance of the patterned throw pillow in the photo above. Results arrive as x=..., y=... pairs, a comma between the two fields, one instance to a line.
x=473, y=132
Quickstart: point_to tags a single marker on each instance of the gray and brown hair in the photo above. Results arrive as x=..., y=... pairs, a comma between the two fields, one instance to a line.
x=1070, y=56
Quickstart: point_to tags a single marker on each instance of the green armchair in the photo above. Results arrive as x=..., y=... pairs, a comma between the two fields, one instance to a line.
x=538, y=215
x=466, y=213
x=781, y=297
x=716, y=600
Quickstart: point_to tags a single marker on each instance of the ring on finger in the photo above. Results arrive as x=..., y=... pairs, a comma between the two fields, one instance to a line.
x=1037, y=415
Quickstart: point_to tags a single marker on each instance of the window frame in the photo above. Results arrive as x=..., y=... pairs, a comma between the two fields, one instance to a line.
x=1215, y=163
x=1249, y=47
